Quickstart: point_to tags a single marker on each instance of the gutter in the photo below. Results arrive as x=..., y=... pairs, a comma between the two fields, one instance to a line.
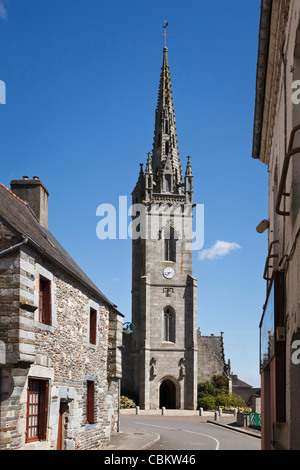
x=13, y=248
x=261, y=73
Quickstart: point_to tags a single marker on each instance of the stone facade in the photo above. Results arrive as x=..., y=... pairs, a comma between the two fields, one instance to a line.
x=60, y=353
x=160, y=359
x=211, y=357
x=276, y=139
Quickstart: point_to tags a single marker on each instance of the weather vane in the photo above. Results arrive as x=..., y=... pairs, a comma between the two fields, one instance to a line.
x=165, y=35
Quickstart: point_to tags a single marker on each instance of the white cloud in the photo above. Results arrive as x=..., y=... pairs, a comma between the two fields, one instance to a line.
x=3, y=11
x=218, y=250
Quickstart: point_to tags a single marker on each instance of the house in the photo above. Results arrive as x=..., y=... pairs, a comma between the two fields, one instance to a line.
x=276, y=138
x=60, y=337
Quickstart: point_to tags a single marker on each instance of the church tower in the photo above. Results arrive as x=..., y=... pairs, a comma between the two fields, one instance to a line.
x=160, y=357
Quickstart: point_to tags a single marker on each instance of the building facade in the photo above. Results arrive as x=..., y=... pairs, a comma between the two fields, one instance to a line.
x=60, y=337
x=276, y=144
x=160, y=360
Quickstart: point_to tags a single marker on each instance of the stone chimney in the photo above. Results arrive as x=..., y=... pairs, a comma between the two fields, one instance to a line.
x=35, y=194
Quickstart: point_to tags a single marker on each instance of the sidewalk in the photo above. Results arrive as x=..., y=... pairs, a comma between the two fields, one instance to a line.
x=132, y=439
x=135, y=439
x=229, y=422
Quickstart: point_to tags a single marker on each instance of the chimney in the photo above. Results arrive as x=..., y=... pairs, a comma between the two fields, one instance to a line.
x=35, y=194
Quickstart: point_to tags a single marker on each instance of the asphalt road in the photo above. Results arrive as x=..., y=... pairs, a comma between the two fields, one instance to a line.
x=189, y=433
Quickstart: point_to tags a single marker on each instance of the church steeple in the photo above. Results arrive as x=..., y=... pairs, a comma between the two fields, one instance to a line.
x=160, y=359
x=165, y=146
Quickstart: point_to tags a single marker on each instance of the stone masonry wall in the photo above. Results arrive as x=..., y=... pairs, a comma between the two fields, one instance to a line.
x=208, y=362
x=60, y=353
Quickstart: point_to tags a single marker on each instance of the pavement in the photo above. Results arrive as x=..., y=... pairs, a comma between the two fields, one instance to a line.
x=133, y=439
x=136, y=439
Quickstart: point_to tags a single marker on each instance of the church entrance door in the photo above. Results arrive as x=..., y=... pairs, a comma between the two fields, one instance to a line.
x=167, y=395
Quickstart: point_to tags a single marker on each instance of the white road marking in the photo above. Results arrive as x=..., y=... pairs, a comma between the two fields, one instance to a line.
x=183, y=430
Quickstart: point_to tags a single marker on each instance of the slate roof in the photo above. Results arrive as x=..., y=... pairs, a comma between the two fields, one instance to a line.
x=18, y=215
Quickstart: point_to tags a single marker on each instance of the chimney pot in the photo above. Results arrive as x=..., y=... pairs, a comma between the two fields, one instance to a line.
x=25, y=177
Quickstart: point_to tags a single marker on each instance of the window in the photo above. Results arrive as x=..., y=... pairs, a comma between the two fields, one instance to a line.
x=169, y=325
x=45, y=301
x=170, y=238
x=167, y=147
x=37, y=408
x=93, y=326
x=90, y=402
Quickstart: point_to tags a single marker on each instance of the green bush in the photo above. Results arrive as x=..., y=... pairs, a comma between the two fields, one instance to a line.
x=126, y=403
x=205, y=389
x=220, y=382
x=207, y=403
x=214, y=394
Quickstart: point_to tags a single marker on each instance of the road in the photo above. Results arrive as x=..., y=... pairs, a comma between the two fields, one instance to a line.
x=189, y=433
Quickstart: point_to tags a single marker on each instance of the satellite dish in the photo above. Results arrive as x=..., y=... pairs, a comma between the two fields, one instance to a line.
x=128, y=328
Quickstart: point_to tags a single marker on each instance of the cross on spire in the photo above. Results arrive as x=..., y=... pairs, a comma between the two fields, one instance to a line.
x=165, y=35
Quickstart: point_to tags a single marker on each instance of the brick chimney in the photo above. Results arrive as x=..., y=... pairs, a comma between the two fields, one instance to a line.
x=35, y=194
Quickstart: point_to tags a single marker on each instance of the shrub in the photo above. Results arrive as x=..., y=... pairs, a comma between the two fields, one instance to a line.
x=205, y=389
x=126, y=403
x=207, y=403
x=214, y=394
x=220, y=382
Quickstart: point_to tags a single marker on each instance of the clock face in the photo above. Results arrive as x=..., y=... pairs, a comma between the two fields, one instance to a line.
x=169, y=273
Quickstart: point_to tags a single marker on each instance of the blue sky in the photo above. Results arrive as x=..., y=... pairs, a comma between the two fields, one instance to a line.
x=82, y=83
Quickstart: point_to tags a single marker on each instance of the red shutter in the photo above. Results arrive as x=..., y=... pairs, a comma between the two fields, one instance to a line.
x=93, y=326
x=43, y=409
x=90, y=405
x=45, y=306
x=47, y=303
x=41, y=302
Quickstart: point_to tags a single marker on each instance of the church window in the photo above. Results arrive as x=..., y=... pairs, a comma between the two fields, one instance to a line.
x=169, y=325
x=168, y=183
x=170, y=239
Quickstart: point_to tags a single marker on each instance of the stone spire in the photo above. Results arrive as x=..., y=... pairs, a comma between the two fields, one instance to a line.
x=165, y=148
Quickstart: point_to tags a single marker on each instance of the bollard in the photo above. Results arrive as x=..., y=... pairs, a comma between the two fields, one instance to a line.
x=220, y=411
x=201, y=412
x=137, y=410
x=163, y=410
x=217, y=417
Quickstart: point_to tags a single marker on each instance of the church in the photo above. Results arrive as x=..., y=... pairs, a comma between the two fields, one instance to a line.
x=166, y=356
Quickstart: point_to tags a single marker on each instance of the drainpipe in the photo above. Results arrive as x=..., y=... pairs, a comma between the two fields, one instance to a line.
x=13, y=248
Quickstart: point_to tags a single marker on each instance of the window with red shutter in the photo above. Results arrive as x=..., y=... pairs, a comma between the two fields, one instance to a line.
x=90, y=402
x=45, y=301
x=37, y=410
x=93, y=326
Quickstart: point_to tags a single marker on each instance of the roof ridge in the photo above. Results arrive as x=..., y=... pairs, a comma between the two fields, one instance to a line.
x=21, y=200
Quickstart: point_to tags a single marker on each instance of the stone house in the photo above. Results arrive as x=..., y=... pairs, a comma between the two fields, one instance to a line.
x=276, y=139
x=60, y=337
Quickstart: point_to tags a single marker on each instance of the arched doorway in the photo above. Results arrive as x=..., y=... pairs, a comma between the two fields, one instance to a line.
x=167, y=395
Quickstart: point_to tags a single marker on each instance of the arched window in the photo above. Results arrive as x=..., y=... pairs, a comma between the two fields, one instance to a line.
x=170, y=238
x=169, y=324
